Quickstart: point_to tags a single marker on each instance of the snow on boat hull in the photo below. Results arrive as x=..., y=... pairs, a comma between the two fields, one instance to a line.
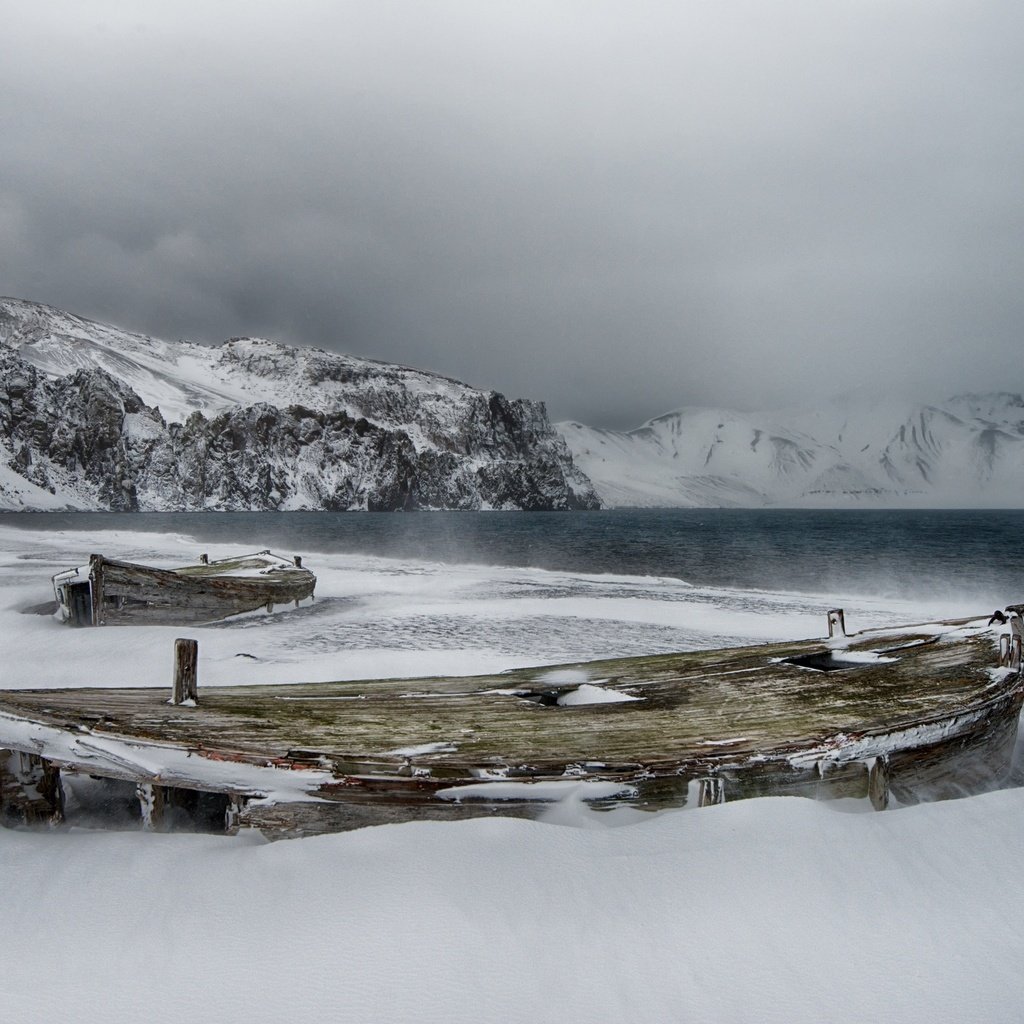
x=108, y=592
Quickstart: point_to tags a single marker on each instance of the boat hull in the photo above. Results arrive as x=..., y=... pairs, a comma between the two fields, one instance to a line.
x=109, y=592
x=917, y=714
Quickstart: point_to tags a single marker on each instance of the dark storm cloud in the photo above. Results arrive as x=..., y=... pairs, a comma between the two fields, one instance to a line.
x=616, y=207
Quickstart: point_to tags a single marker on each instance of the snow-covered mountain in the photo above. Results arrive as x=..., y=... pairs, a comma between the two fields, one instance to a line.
x=965, y=451
x=92, y=416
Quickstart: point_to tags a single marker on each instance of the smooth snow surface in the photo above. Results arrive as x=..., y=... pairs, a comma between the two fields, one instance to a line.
x=781, y=911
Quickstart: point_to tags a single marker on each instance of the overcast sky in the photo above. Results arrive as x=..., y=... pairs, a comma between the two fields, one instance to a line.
x=619, y=208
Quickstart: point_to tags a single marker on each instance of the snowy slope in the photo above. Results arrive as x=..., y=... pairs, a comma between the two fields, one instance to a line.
x=968, y=450
x=96, y=417
x=182, y=377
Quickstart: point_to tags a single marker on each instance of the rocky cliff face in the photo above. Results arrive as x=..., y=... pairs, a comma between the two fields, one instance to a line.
x=80, y=427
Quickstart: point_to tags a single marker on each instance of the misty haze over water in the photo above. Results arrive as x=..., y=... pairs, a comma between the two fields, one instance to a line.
x=923, y=554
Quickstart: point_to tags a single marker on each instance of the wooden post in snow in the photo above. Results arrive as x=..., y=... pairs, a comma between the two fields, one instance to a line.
x=878, y=783
x=186, y=660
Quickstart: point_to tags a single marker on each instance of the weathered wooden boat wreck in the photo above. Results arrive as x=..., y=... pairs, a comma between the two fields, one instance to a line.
x=914, y=713
x=107, y=592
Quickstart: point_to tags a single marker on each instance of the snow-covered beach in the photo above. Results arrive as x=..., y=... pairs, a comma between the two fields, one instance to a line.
x=781, y=911
x=377, y=617
x=776, y=909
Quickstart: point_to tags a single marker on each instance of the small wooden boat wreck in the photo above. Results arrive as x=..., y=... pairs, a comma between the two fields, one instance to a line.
x=918, y=713
x=107, y=592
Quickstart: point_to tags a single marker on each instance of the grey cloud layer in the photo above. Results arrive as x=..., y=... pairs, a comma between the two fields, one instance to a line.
x=618, y=208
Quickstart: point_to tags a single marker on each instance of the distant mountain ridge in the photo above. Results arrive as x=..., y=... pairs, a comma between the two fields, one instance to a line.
x=966, y=451
x=92, y=416
x=95, y=417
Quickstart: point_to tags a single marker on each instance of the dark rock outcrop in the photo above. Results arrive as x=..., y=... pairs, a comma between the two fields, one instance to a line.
x=90, y=438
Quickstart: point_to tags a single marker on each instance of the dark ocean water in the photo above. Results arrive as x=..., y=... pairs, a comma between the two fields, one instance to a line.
x=914, y=553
